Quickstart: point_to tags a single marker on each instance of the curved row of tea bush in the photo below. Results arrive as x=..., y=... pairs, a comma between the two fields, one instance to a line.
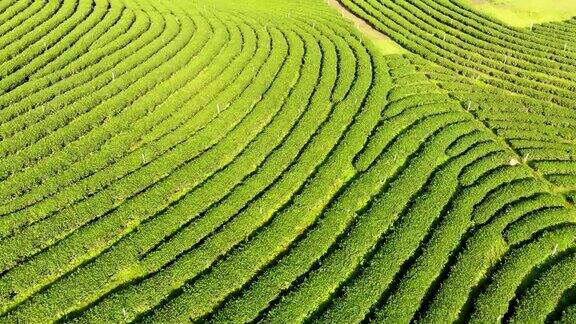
x=248, y=161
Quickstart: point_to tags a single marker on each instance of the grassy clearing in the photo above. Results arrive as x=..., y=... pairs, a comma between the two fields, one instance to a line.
x=525, y=13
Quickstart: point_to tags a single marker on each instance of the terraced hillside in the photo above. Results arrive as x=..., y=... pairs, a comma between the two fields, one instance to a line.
x=263, y=161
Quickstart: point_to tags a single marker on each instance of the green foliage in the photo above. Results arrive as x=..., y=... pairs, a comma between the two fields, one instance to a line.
x=240, y=161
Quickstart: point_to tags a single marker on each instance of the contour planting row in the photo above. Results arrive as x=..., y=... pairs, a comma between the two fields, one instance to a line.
x=459, y=27
x=249, y=161
x=243, y=303
x=303, y=307
x=67, y=124
x=54, y=43
x=73, y=45
x=10, y=9
x=537, y=131
x=41, y=9
x=560, y=31
x=271, y=274
x=161, y=123
x=522, y=40
x=452, y=52
x=125, y=30
x=276, y=225
x=35, y=35
x=155, y=112
x=341, y=311
x=155, y=166
x=327, y=135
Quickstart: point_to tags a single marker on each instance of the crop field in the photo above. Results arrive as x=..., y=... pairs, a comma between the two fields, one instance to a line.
x=287, y=161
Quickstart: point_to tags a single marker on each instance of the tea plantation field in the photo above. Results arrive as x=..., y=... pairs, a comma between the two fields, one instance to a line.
x=285, y=161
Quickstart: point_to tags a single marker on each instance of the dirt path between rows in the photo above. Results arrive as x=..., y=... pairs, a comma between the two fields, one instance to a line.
x=380, y=39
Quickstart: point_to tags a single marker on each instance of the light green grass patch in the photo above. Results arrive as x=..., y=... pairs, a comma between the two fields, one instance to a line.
x=524, y=13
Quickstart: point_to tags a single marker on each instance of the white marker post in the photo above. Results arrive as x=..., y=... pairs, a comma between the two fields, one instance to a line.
x=525, y=158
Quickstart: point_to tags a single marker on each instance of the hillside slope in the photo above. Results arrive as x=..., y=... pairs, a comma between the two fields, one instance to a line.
x=239, y=161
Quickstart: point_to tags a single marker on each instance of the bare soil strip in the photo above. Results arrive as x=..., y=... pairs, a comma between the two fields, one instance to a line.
x=381, y=40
